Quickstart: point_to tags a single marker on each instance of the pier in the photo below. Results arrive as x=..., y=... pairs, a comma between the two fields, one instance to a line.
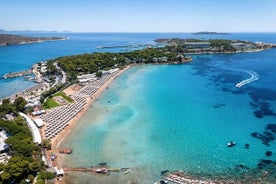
x=17, y=74
x=254, y=76
x=124, y=46
x=98, y=170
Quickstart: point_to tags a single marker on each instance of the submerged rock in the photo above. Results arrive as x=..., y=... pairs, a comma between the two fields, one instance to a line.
x=164, y=172
x=268, y=153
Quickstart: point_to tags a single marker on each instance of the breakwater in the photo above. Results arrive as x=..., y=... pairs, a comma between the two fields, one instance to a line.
x=129, y=46
x=17, y=74
x=254, y=76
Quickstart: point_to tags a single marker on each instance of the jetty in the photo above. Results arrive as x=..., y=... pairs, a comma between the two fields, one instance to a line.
x=124, y=46
x=98, y=170
x=254, y=76
x=17, y=74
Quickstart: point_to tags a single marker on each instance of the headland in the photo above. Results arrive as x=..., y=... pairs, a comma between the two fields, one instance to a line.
x=8, y=39
x=214, y=46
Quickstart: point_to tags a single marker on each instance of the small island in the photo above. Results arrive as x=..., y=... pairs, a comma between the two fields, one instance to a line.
x=209, y=33
x=8, y=39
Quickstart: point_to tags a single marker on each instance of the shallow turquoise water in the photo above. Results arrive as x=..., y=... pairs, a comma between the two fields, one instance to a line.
x=179, y=117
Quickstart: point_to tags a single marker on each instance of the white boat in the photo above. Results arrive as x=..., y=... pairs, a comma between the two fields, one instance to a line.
x=231, y=144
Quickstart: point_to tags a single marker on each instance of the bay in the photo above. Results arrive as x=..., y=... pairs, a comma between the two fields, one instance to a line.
x=158, y=117
x=179, y=117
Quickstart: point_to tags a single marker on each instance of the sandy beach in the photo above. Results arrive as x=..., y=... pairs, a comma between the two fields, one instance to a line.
x=89, y=101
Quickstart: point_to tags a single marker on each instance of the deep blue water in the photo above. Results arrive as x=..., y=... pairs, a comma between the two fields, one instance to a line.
x=174, y=117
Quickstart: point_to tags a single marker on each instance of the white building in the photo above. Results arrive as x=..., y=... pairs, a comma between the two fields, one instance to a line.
x=3, y=137
x=86, y=78
x=111, y=71
x=39, y=123
x=35, y=132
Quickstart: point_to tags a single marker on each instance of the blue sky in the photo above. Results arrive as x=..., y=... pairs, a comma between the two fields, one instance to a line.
x=139, y=15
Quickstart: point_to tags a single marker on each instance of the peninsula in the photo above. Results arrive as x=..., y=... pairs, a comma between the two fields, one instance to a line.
x=202, y=46
x=8, y=39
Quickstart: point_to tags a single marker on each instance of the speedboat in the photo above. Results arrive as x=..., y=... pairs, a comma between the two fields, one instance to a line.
x=231, y=144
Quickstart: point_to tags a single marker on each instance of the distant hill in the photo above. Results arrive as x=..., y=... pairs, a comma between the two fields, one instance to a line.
x=210, y=33
x=8, y=39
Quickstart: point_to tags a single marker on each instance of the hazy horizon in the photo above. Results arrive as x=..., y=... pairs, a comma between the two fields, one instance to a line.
x=139, y=16
x=49, y=31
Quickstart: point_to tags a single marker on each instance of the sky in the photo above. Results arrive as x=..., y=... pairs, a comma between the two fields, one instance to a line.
x=139, y=15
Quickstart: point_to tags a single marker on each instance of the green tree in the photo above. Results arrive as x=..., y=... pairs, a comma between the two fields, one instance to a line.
x=99, y=74
x=7, y=107
x=46, y=144
x=19, y=104
x=46, y=175
x=6, y=101
x=35, y=166
x=5, y=176
x=17, y=166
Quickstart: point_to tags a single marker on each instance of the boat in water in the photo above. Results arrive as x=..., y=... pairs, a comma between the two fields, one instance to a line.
x=231, y=144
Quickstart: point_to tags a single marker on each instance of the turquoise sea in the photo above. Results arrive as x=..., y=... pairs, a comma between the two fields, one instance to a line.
x=171, y=117
x=159, y=117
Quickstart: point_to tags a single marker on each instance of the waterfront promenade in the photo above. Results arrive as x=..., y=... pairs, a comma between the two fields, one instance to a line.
x=35, y=132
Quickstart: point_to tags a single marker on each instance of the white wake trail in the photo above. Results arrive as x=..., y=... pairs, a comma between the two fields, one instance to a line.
x=254, y=77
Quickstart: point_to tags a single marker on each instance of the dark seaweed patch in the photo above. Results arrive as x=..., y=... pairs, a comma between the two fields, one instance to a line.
x=263, y=163
x=262, y=94
x=258, y=114
x=264, y=109
x=271, y=127
x=265, y=137
x=268, y=153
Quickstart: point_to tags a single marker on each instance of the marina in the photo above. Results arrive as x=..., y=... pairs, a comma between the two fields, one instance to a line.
x=126, y=46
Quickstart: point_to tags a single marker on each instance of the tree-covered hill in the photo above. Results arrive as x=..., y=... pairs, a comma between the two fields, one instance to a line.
x=8, y=39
